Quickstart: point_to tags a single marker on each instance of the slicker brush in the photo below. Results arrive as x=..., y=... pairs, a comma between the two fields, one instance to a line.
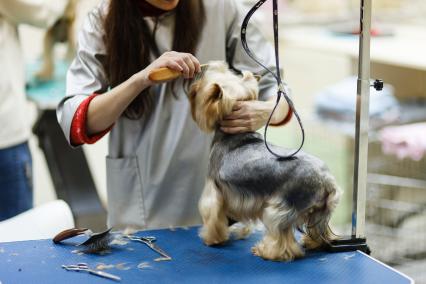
x=97, y=242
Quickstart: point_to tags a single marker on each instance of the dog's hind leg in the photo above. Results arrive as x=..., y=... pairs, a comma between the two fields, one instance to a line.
x=318, y=232
x=215, y=223
x=279, y=242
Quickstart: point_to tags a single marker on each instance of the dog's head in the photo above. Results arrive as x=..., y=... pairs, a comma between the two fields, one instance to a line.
x=213, y=96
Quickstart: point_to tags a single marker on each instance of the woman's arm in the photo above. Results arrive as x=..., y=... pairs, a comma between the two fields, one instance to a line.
x=85, y=117
x=104, y=110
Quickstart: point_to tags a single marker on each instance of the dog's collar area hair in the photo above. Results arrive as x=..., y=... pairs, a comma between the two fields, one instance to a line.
x=281, y=88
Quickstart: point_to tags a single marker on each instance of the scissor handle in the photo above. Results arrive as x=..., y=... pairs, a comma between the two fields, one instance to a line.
x=149, y=239
x=85, y=267
x=75, y=267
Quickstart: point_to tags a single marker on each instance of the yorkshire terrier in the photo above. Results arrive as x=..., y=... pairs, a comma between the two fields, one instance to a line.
x=62, y=31
x=246, y=183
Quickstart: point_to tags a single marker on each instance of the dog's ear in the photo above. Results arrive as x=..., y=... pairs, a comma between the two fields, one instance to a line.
x=216, y=92
x=248, y=76
x=212, y=111
x=193, y=89
x=251, y=82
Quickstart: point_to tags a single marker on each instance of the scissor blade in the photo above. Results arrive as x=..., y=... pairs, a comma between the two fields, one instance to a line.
x=159, y=250
x=105, y=275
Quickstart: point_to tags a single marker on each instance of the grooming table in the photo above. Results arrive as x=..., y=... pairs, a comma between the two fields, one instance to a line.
x=40, y=262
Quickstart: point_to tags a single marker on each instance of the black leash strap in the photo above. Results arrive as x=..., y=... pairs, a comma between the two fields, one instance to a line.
x=281, y=90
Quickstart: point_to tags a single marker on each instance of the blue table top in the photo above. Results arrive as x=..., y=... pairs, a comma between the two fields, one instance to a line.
x=40, y=262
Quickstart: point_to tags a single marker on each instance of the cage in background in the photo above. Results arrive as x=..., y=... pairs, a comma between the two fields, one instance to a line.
x=396, y=208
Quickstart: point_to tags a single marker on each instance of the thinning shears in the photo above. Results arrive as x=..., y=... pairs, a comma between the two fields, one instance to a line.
x=85, y=268
x=150, y=242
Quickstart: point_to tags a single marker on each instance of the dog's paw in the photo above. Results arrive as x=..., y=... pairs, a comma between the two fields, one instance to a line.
x=255, y=251
x=309, y=243
x=212, y=242
x=214, y=237
x=269, y=253
x=240, y=231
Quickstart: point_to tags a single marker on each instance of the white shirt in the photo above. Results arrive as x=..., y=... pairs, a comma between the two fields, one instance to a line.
x=14, y=124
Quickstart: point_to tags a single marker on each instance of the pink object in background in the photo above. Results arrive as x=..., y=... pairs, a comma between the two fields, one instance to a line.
x=407, y=141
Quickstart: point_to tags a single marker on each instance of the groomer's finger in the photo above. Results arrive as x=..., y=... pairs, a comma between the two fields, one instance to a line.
x=173, y=65
x=185, y=67
x=238, y=114
x=196, y=63
x=238, y=105
x=235, y=130
x=188, y=60
x=234, y=123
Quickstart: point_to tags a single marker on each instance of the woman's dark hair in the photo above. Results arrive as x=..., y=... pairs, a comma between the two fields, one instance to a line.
x=129, y=43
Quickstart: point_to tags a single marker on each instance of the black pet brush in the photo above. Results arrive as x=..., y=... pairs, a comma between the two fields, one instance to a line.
x=97, y=242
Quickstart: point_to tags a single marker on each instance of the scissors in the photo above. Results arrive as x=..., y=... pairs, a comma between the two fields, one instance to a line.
x=149, y=241
x=84, y=267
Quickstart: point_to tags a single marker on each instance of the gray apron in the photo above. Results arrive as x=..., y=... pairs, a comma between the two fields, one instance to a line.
x=156, y=167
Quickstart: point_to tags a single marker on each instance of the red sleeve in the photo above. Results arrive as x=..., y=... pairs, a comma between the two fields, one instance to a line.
x=78, y=132
x=286, y=119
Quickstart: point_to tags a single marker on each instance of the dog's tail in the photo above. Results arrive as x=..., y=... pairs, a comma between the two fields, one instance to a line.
x=317, y=221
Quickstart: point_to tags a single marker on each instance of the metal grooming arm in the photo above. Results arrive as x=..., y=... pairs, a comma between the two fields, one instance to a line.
x=357, y=241
x=362, y=124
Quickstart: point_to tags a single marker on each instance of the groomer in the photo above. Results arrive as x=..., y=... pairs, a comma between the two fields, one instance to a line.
x=16, y=193
x=158, y=158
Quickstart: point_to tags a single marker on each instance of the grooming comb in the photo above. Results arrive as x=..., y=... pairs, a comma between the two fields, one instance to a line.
x=165, y=74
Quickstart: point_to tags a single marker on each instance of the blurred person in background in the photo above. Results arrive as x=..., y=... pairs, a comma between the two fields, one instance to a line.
x=16, y=194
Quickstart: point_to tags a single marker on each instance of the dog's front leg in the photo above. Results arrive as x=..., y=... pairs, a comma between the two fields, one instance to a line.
x=215, y=223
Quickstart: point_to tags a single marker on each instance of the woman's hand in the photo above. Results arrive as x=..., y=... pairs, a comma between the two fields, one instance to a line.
x=104, y=110
x=249, y=116
x=246, y=116
x=178, y=61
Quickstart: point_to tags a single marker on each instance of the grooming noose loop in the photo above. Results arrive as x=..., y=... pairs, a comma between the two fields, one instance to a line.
x=281, y=88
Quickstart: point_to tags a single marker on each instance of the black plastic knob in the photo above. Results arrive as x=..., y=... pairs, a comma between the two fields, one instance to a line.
x=378, y=85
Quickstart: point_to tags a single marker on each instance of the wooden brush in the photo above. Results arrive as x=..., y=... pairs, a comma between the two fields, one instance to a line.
x=165, y=74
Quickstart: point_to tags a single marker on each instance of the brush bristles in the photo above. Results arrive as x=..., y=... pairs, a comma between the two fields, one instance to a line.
x=200, y=74
x=99, y=245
